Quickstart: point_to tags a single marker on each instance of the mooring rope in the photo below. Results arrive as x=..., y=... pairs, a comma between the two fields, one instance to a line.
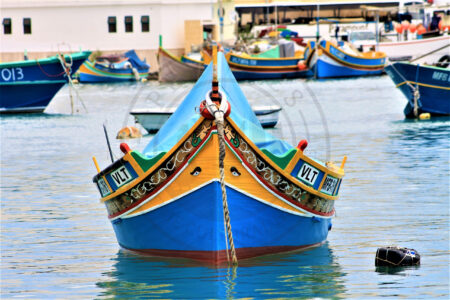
x=218, y=109
x=67, y=69
x=415, y=89
x=226, y=212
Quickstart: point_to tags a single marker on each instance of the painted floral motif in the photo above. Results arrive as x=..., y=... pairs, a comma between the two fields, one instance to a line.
x=276, y=180
x=159, y=176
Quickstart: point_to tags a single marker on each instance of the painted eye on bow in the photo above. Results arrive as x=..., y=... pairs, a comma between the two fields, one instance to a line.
x=235, y=172
x=196, y=171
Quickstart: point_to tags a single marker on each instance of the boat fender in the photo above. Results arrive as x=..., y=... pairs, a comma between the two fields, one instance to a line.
x=302, y=145
x=124, y=148
x=301, y=66
x=424, y=116
x=396, y=257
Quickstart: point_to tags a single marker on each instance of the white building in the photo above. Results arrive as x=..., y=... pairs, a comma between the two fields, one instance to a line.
x=43, y=27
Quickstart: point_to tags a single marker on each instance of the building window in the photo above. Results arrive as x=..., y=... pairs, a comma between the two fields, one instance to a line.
x=128, y=24
x=26, y=25
x=112, y=24
x=7, y=26
x=145, y=22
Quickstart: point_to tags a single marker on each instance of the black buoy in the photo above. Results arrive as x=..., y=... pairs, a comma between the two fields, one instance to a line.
x=396, y=257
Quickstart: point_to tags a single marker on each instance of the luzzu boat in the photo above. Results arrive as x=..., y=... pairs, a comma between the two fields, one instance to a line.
x=330, y=60
x=246, y=67
x=28, y=86
x=174, y=69
x=114, y=68
x=427, y=88
x=215, y=186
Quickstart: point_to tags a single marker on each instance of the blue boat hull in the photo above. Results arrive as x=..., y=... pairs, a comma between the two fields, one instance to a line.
x=29, y=86
x=329, y=60
x=193, y=227
x=28, y=97
x=433, y=84
x=324, y=69
x=89, y=78
x=260, y=75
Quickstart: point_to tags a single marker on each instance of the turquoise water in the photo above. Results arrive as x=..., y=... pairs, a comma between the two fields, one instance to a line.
x=56, y=241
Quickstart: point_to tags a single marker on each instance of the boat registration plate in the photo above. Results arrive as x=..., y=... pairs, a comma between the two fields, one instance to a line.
x=121, y=176
x=308, y=174
x=329, y=185
x=103, y=187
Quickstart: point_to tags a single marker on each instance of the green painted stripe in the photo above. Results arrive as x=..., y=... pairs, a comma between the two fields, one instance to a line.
x=89, y=65
x=32, y=82
x=201, y=147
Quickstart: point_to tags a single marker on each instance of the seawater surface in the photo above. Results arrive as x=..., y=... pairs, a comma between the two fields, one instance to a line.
x=56, y=240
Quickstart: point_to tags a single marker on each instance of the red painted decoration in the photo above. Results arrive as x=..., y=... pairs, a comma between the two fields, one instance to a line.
x=124, y=148
x=302, y=145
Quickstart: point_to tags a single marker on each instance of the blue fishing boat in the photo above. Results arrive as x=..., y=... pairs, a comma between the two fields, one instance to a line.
x=29, y=85
x=332, y=60
x=212, y=185
x=114, y=68
x=427, y=88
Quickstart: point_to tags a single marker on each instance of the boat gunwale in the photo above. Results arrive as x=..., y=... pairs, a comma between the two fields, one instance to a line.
x=45, y=61
x=142, y=176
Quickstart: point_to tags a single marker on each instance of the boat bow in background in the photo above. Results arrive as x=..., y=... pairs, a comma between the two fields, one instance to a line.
x=330, y=60
x=29, y=85
x=114, y=68
x=427, y=88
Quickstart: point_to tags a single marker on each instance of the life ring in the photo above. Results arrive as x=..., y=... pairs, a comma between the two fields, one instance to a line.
x=205, y=112
x=223, y=105
x=444, y=61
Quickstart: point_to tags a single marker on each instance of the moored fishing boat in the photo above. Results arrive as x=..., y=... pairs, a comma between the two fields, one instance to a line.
x=114, y=68
x=28, y=86
x=153, y=118
x=246, y=67
x=217, y=187
x=427, y=88
x=330, y=60
x=429, y=50
x=173, y=69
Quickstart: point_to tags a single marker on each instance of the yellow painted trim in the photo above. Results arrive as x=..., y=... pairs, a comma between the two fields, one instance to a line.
x=322, y=182
x=169, y=54
x=168, y=154
x=294, y=67
x=291, y=165
x=264, y=58
x=96, y=164
x=372, y=67
x=208, y=160
x=283, y=172
x=423, y=84
x=107, y=183
x=329, y=44
x=332, y=171
x=129, y=158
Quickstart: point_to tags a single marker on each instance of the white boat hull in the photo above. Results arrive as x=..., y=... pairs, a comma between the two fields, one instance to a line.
x=417, y=48
x=153, y=119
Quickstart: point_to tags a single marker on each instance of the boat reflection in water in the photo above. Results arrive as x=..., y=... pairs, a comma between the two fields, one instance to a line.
x=306, y=274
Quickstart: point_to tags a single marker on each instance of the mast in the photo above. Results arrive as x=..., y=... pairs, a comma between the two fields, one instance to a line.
x=221, y=13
